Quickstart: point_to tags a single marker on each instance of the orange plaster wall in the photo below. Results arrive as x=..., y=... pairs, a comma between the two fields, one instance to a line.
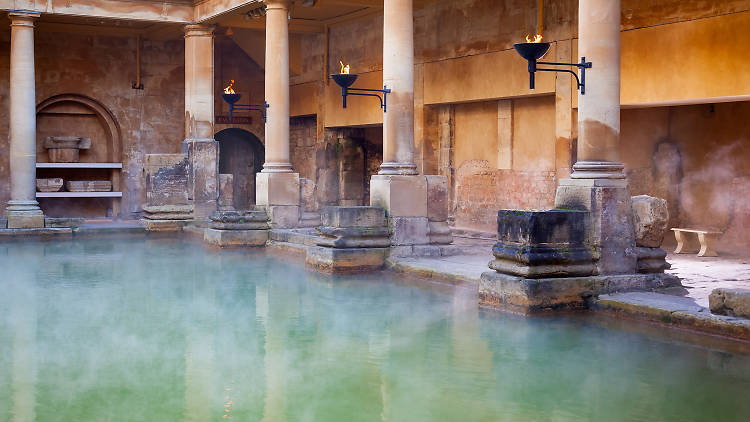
x=303, y=99
x=359, y=110
x=534, y=134
x=475, y=133
x=488, y=76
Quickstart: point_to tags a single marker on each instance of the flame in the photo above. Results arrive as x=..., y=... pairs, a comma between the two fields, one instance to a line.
x=344, y=68
x=229, y=90
x=537, y=38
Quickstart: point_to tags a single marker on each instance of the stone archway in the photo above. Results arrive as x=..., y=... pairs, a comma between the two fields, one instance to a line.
x=241, y=154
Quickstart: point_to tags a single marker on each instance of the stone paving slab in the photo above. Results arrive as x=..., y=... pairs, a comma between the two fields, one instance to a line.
x=463, y=268
x=679, y=312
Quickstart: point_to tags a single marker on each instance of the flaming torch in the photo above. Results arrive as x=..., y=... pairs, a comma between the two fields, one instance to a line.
x=232, y=97
x=345, y=79
x=532, y=50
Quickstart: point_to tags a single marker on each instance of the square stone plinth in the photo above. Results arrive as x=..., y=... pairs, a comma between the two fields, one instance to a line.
x=401, y=196
x=542, y=294
x=153, y=225
x=610, y=229
x=226, y=238
x=349, y=217
x=273, y=189
x=333, y=260
x=25, y=219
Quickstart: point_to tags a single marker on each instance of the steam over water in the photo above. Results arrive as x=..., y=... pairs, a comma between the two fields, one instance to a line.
x=166, y=330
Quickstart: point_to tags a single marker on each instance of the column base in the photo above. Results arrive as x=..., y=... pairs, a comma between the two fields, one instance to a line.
x=609, y=229
x=24, y=215
x=598, y=170
x=393, y=168
x=399, y=195
x=277, y=188
x=277, y=168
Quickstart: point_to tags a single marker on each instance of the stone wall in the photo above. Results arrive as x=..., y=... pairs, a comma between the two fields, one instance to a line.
x=697, y=158
x=103, y=68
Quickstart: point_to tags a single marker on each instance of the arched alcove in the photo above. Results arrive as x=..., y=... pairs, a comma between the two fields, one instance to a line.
x=78, y=115
x=241, y=154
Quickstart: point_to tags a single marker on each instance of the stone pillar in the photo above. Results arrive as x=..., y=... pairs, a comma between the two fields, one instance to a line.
x=598, y=184
x=398, y=75
x=201, y=148
x=23, y=209
x=599, y=109
x=199, y=82
x=277, y=186
x=398, y=187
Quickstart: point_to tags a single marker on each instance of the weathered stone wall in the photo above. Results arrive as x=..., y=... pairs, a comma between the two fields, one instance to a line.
x=103, y=68
x=698, y=159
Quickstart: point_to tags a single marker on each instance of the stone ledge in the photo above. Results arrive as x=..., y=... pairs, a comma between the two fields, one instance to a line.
x=731, y=302
x=679, y=312
x=532, y=295
x=352, y=260
x=227, y=238
x=38, y=232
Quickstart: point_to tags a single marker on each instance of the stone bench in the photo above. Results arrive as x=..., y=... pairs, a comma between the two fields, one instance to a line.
x=707, y=239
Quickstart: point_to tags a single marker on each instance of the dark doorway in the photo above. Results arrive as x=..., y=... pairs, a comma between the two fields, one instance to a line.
x=241, y=155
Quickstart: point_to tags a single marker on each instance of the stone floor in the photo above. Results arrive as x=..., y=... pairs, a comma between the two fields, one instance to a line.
x=701, y=275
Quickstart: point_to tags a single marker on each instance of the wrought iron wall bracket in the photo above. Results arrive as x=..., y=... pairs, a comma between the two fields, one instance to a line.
x=583, y=65
x=263, y=108
x=363, y=92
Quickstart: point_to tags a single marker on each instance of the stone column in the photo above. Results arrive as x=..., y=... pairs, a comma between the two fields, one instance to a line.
x=599, y=109
x=399, y=188
x=200, y=146
x=23, y=209
x=199, y=82
x=277, y=186
x=598, y=184
x=398, y=75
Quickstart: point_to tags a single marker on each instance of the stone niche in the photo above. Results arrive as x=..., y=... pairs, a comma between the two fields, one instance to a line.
x=544, y=260
x=77, y=129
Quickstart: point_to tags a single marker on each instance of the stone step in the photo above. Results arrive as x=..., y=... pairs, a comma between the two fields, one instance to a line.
x=309, y=219
x=305, y=237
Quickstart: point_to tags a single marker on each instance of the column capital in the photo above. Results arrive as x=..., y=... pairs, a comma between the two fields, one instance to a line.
x=278, y=4
x=22, y=17
x=198, y=30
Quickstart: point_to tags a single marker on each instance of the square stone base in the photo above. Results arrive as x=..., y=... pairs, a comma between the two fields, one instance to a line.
x=32, y=219
x=225, y=238
x=610, y=227
x=283, y=216
x=334, y=260
x=163, y=225
x=401, y=196
x=272, y=189
x=533, y=295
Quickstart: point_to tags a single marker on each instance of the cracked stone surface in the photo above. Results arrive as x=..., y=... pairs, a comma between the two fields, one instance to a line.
x=700, y=276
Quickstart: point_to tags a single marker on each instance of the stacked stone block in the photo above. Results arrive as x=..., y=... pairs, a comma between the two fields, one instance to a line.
x=351, y=239
x=167, y=205
x=237, y=228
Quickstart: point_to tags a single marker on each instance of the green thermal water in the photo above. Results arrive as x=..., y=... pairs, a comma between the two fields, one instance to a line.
x=166, y=330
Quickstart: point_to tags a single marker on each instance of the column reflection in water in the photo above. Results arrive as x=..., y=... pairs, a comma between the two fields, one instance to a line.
x=200, y=317
x=20, y=294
